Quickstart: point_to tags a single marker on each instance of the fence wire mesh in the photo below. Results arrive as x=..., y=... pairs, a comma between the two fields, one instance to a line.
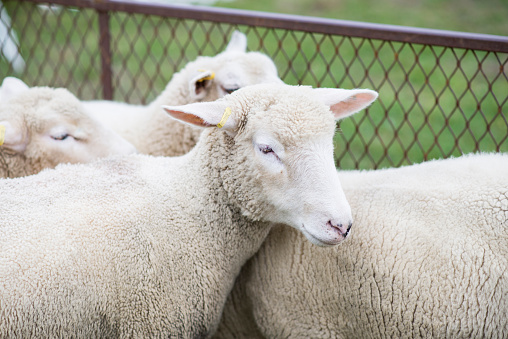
x=435, y=101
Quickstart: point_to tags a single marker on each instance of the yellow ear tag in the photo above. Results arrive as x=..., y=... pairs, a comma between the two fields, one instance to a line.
x=2, y=134
x=225, y=117
x=210, y=77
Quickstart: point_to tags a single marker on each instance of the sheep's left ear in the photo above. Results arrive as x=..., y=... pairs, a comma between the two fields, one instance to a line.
x=200, y=82
x=344, y=102
x=238, y=42
x=205, y=114
x=11, y=87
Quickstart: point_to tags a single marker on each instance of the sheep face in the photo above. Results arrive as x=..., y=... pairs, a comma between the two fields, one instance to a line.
x=48, y=126
x=235, y=70
x=299, y=182
x=214, y=77
x=281, y=138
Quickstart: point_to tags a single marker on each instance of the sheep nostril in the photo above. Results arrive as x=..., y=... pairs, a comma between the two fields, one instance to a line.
x=342, y=229
x=348, y=229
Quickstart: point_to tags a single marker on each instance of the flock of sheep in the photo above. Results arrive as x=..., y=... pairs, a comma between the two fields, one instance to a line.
x=217, y=211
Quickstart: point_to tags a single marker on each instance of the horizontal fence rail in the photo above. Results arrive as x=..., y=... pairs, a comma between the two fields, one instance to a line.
x=442, y=93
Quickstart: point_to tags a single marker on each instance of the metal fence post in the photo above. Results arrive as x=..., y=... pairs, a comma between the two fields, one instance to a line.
x=105, y=50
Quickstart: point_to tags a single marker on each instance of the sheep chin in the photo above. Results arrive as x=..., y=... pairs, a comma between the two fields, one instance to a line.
x=332, y=236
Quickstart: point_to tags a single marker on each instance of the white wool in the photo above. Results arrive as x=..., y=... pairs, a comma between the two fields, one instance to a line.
x=205, y=79
x=44, y=127
x=427, y=257
x=143, y=246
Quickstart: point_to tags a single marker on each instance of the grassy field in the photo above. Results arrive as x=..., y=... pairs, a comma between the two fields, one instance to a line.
x=434, y=102
x=488, y=16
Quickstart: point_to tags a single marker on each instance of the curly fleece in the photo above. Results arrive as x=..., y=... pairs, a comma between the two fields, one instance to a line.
x=427, y=257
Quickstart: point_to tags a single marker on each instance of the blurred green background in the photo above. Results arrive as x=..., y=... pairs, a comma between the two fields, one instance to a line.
x=434, y=101
x=476, y=16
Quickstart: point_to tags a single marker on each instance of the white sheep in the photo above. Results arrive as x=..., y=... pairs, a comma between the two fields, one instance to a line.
x=41, y=127
x=205, y=79
x=428, y=258
x=143, y=246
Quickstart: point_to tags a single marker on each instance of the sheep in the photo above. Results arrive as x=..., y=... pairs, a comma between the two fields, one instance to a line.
x=205, y=79
x=41, y=127
x=428, y=258
x=144, y=246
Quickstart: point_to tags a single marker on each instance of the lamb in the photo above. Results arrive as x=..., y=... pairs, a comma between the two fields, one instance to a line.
x=143, y=246
x=41, y=127
x=205, y=79
x=428, y=258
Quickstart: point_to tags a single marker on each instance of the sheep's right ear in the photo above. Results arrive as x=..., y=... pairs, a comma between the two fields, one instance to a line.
x=345, y=102
x=200, y=83
x=11, y=87
x=238, y=42
x=12, y=137
x=205, y=114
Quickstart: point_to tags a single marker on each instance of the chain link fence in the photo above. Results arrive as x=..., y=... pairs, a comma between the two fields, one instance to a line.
x=442, y=93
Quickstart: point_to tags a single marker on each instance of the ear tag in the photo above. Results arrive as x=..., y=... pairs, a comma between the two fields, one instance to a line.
x=210, y=77
x=224, y=118
x=2, y=134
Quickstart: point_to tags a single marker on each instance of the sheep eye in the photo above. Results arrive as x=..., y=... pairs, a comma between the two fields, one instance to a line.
x=230, y=90
x=60, y=137
x=266, y=149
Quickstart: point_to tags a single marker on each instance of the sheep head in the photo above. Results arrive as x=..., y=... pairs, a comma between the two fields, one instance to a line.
x=45, y=127
x=213, y=77
x=276, y=153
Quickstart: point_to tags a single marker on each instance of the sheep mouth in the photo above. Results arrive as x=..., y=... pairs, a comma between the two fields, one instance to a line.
x=320, y=241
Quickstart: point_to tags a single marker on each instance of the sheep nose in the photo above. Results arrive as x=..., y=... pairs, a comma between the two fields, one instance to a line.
x=342, y=228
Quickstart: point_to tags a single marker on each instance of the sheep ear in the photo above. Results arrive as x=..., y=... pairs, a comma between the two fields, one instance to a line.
x=199, y=83
x=12, y=137
x=344, y=102
x=11, y=87
x=205, y=114
x=238, y=42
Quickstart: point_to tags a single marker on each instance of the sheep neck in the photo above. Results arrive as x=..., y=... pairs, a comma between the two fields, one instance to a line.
x=161, y=135
x=13, y=165
x=235, y=237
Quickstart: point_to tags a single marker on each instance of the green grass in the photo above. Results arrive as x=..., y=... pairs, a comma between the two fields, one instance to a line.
x=488, y=16
x=434, y=101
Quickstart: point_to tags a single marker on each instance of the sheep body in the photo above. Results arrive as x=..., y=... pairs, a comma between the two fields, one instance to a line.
x=149, y=129
x=428, y=257
x=47, y=126
x=143, y=246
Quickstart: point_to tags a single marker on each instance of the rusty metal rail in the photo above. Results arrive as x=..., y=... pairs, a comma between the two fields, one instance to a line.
x=300, y=23
x=442, y=93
